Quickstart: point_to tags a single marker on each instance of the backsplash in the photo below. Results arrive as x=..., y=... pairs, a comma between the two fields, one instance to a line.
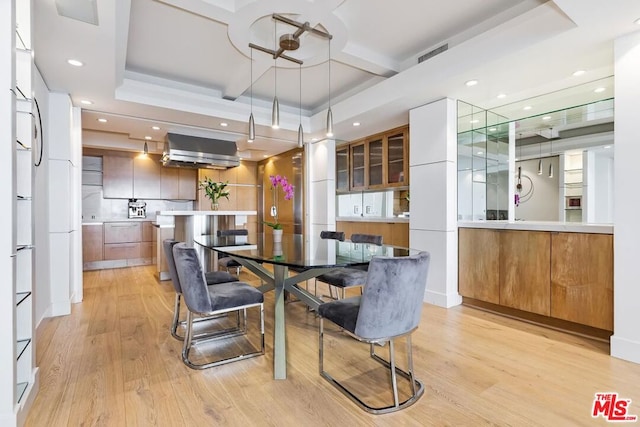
x=95, y=206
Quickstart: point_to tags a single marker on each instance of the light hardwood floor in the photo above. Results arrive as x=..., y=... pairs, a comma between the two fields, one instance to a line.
x=112, y=362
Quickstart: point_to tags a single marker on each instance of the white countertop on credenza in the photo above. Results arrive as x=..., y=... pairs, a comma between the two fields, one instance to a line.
x=388, y=219
x=567, y=227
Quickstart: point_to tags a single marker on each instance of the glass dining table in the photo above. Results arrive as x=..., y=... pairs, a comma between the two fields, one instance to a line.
x=310, y=256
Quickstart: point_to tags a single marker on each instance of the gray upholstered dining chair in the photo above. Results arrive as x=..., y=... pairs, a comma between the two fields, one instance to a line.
x=227, y=262
x=344, y=278
x=390, y=307
x=203, y=300
x=212, y=278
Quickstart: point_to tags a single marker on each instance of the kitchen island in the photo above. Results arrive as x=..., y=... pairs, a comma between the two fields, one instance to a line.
x=184, y=226
x=553, y=273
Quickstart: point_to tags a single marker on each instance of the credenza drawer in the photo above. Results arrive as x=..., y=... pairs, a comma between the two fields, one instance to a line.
x=114, y=251
x=122, y=232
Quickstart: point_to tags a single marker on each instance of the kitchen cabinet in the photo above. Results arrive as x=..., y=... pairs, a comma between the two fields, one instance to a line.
x=122, y=232
x=564, y=276
x=117, y=176
x=178, y=183
x=479, y=264
x=118, y=251
x=525, y=270
x=146, y=177
x=92, y=243
x=582, y=278
x=342, y=169
x=377, y=162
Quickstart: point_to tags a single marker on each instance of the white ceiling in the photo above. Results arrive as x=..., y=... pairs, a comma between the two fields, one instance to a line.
x=184, y=65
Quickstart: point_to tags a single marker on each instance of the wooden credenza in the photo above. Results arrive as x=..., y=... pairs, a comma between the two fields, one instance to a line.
x=554, y=276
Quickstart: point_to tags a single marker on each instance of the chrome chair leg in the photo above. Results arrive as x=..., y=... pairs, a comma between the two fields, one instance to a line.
x=238, y=329
x=176, y=317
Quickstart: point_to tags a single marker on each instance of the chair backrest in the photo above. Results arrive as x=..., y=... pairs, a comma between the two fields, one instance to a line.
x=335, y=235
x=238, y=232
x=366, y=238
x=392, y=297
x=168, y=252
x=192, y=280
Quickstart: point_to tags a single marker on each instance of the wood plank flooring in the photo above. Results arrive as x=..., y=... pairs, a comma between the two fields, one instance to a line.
x=113, y=362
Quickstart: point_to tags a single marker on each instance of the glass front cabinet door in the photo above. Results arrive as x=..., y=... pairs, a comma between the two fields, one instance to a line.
x=396, y=158
x=358, y=166
x=342, y=169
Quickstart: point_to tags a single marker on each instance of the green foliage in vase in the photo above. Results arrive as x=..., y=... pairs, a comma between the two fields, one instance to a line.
x=214, y=190
x=274, y=225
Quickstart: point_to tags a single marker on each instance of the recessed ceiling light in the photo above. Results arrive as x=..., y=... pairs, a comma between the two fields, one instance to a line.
x=480, y=153
x=598, y=90
x=86, y=102
x=502, y=95
x=356, y=123
x=74, y=62
x=147, y=138
x=528, y=107
x=265, y=155
x=607, y=146
x=224, y=125
x=474, y=121
x=471, y=83
x=546, y=118
x=516, y=159
x=102, y=120
x=493, y=129
x=578, y=73
x=155, y=127
x=314, y=139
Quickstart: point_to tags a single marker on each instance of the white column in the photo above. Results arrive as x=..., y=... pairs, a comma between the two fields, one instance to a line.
x=433, y=186
x=625, y=343
x=321, y=187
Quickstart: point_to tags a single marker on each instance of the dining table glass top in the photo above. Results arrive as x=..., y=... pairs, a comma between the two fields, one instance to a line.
x=293, y=252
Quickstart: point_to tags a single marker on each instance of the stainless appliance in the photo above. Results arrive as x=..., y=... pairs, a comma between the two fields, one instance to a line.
x=137, y=209
x=197, y=152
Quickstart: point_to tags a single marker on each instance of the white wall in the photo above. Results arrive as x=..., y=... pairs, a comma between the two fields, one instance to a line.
x=543, y=201
x=321, y=186
x=625, y=343
x=433, y=185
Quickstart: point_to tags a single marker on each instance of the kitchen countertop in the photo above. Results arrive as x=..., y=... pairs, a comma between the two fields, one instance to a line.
x=568, y=227
x=372, y=219
x=99, y=221
x=189, y=213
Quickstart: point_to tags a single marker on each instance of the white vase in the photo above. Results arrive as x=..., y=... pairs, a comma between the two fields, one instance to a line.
x=277, y=236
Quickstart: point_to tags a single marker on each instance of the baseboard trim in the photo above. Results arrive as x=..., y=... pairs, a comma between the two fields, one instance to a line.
x=625, y=349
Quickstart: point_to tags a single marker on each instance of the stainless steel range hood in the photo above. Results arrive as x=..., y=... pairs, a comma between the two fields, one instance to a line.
x=197, y=152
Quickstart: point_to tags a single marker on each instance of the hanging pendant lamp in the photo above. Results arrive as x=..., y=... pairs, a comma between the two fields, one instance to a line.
x=252, y=124
x=550, y=153
x=275, y=109
x=145, y=150
x=540, y=159
x=300, y=131
x=329, y=113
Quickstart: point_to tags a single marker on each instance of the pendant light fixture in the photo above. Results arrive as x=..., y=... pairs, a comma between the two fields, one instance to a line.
x=550, y=152
x=252, y=124
x=300, y=131
x=145, y=150
x=329, y=113
x=540, y=158
x=275, y=109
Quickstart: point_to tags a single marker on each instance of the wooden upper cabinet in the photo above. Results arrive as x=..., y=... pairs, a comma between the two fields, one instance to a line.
x=525, y=270
x=582, y=278
x=342, y=169
x=178, y=183
x=357, y=152
x=375, y=169
x=187, y=183
x=379, y=161
x=117, y=177
x=146, y=177
x=397, y=161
